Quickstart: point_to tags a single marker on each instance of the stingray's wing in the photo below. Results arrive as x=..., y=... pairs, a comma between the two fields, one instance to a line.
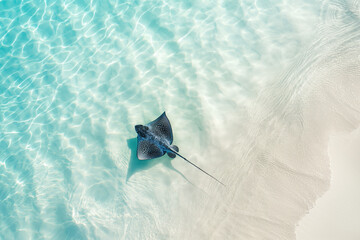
x=147, y=150
x=161, y=127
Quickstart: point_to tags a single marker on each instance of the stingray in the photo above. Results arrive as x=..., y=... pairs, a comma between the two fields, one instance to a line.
x=155, y=139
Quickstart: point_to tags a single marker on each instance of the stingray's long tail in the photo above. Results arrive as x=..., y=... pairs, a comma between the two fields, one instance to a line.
x=197, y=167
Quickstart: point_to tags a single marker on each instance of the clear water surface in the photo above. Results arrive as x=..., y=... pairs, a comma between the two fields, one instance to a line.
x=233, y=77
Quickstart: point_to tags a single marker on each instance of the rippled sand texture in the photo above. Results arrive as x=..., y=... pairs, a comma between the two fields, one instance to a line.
x=253, y=91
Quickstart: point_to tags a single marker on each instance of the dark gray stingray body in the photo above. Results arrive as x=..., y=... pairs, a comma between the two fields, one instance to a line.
x=154, y=140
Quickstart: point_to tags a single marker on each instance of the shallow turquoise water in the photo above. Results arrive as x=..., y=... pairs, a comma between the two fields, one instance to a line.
x=76, y=76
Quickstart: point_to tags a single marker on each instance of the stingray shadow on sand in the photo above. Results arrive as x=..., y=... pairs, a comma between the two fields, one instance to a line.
x=136, y=165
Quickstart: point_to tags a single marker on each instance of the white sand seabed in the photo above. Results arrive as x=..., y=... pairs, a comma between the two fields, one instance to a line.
x=337, y=214
x=280, y=164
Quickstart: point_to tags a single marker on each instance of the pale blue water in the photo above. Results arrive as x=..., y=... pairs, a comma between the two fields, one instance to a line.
x=76, y=76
